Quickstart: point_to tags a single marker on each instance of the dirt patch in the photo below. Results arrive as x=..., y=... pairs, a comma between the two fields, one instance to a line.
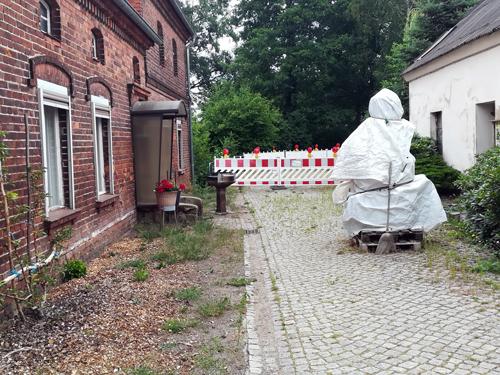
x=109, y=323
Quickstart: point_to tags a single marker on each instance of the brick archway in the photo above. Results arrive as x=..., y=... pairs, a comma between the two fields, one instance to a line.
x=40, y=60
x=103, y=82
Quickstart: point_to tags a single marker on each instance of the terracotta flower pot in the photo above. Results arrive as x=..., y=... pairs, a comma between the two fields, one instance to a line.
x=166, y=199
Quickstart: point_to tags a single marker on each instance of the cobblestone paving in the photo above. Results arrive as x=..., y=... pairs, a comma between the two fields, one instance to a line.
x=331, y=311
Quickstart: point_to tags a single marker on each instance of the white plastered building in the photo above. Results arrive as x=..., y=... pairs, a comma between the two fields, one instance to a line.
x=455, y=87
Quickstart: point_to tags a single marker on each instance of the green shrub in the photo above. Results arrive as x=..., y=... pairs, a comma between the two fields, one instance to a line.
x=442, y=175
x=74, y=269
x=423, y=147
x=429, y=163
x=480, y=198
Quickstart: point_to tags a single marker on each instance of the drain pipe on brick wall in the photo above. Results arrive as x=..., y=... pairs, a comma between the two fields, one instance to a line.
x=188, y=45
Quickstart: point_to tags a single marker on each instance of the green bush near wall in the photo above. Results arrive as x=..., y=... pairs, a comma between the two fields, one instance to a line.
x=74, y=269
x=480, y=199
x=431, y=164
x=441, y=174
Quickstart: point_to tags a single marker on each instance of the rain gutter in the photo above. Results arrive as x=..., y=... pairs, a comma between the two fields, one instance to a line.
x=129, y=10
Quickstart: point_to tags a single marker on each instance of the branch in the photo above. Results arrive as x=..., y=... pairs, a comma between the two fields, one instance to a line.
x=15, y=351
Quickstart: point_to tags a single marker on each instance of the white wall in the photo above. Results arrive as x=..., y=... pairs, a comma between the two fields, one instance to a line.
x=455, y=90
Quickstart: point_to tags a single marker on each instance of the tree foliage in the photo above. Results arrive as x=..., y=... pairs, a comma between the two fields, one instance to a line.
x=316, y=59
x=208, y=60
x=244, y=118
x=425, y=23
x=202, y=152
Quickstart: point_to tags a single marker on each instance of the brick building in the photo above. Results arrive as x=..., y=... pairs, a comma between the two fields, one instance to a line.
x=75, y=68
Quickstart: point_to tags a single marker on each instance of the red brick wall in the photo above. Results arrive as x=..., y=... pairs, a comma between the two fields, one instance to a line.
x=173, y=86
x=21, y=40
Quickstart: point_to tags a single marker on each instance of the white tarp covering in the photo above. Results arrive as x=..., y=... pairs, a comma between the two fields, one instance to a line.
x=363, y=164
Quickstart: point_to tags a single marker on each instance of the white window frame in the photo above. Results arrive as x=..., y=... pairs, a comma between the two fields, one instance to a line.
x=496, y=125
x=101, y=109
x=52, y=95
x=57, y=168
x=180, y=147
x=94, y=47
x=46, y=6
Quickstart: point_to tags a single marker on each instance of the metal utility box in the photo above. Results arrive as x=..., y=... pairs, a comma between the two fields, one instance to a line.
x=152, y=137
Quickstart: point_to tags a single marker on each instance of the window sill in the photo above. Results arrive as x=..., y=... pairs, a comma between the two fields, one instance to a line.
x=60, y=217
x=106, y=200
x=180, y=172
x=55, y=37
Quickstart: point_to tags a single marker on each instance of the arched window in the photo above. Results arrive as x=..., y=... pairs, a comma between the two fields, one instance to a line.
x=174, y=55
x=97, y=48
x=50, y=20
x=162, y=46
x=45, y=17
x=137, y=69
x=94, y=47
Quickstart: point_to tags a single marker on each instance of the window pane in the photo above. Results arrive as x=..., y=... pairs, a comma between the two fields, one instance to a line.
x=43, y=11
x=44, y=25
x=94, y=47
x=101, y=185
x=53, y=158
x=179, y=149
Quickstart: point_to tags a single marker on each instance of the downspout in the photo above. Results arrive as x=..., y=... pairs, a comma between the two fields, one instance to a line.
x=190, y=122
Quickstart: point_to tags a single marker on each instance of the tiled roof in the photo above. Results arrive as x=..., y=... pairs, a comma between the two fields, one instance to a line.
x=482, y=20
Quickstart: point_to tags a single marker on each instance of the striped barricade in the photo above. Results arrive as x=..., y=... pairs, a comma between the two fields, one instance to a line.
x=299, y=171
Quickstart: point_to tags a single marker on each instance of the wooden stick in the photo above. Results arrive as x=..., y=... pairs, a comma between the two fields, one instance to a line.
x=9, y=240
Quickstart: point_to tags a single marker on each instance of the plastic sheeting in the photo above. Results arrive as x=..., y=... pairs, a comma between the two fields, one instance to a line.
x=363, y=164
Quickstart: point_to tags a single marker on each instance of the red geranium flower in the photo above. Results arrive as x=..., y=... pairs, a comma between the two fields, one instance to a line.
x=182, y=187
x=165, y=185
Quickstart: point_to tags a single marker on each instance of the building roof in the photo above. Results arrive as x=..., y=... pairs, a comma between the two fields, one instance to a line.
x=482, y=20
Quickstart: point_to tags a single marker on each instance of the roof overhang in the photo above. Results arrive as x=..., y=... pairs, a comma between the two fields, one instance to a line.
x=480, y=45
x=166, y=108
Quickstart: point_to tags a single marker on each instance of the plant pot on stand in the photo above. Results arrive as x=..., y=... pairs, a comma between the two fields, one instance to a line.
x=167, y=202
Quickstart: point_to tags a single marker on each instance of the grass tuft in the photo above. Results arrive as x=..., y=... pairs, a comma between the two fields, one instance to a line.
x=192, y=292
x=215, y=308
x=136, y=263
x=177, y=326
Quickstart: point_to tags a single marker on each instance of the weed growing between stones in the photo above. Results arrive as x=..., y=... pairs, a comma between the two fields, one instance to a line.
x=240, y=282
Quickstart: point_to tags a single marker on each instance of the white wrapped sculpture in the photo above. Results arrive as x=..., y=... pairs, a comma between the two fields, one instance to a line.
x=363, y=166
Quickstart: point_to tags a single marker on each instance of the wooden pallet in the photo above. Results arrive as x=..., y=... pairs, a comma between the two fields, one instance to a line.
x=403, y=239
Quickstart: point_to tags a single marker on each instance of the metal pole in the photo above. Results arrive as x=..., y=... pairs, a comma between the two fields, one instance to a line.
x=389, y=196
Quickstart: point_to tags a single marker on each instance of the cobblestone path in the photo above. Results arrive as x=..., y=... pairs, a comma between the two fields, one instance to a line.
x=320, y=309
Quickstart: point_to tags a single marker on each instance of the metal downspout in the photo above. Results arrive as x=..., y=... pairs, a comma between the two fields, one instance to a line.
x=188, y=45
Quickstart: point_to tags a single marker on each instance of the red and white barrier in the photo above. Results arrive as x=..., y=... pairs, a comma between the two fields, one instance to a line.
x=290, y=171
x=324, y=153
